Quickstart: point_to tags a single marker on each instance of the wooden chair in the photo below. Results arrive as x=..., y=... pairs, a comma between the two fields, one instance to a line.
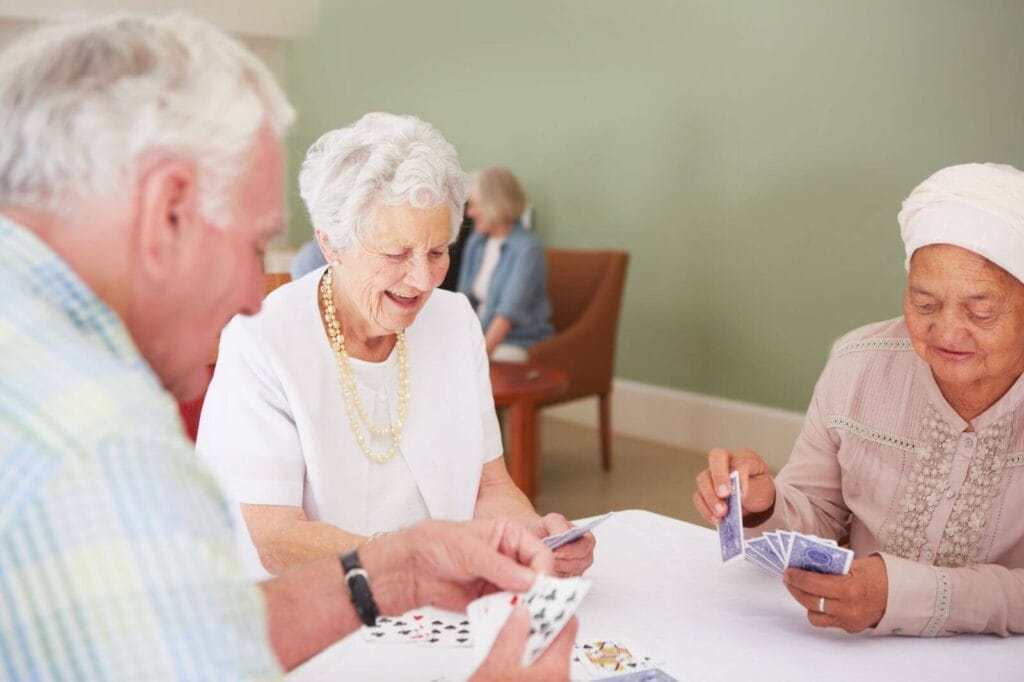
x=585, y=288
x=190, y=410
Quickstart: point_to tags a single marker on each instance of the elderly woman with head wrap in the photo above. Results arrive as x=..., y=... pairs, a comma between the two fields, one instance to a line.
x=503, y=271
x=358, y=401
x=914, y=439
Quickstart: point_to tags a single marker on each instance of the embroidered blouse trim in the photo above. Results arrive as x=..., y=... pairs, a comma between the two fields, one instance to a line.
x=1015, y=459
x=901, y=343
x=834, y=421
x=960, y=544
x=943, y=603
x=961, y=540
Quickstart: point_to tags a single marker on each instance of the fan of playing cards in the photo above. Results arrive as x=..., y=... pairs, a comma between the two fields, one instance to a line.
x=775, y=551
x=551, y=602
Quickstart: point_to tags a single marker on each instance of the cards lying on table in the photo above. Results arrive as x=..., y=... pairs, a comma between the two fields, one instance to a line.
x=614, y=658
x=775, y=551
x=424, y=627
x=575, y=533
x=550, y=601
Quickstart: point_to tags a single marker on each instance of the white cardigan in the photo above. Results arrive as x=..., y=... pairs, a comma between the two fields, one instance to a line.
x=275, y=431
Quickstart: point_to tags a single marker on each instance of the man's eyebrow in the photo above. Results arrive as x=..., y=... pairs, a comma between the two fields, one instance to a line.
x=919, y=290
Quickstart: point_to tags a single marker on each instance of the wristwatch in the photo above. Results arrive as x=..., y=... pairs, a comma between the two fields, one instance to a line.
x=359, y=588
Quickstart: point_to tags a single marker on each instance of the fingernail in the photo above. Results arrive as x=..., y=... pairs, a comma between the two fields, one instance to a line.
x=723, y=491
x=720, y=509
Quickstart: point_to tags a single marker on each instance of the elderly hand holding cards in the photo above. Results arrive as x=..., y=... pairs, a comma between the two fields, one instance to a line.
x=853, y=601
x=572, y=557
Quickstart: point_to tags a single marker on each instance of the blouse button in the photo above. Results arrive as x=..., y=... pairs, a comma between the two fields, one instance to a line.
x=949, y=494
x=968, y=441
x=928, y=554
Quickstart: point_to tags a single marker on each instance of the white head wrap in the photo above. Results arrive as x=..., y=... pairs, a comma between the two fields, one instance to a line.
x=976, y=206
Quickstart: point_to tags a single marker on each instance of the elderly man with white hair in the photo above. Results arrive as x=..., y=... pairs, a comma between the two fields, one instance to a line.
x=358, y=402
x=914, y=439
x=141, y=177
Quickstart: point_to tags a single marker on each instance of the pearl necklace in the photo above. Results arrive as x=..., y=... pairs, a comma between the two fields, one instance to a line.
x=353, y=405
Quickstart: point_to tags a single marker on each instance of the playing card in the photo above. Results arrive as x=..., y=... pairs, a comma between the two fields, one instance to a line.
x=445, y=629
x=551, y=602
x=398, y=630
x=649, y=675
x=754, y=558
x=574, y=533
x=730, y=530
x=777, y=543
x=813, y=554
x=762, y=547
x=611, y=657
x=487, y=616
x=786, y=539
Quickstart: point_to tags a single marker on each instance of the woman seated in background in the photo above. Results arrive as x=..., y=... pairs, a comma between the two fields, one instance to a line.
x=915, y=433
x=358, y=401
x=503, y=268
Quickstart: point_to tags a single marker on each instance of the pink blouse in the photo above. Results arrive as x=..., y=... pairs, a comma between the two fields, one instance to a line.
x=940, y=501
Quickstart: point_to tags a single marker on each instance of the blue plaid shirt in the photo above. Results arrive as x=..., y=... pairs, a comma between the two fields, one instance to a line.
x=116, y=551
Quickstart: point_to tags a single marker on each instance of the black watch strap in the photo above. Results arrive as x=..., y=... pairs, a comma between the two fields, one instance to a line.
x=359, y=588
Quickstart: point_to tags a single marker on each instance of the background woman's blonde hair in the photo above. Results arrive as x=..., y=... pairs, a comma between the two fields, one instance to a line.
x=499, y=195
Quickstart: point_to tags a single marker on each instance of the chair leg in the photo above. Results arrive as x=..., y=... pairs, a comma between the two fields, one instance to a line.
x=605, y=406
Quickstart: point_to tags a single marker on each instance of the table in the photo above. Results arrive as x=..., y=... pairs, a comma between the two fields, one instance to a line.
x=519, y=386
x=659, y=582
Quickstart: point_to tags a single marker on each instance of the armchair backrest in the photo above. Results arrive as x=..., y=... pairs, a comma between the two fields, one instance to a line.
x=585, y=288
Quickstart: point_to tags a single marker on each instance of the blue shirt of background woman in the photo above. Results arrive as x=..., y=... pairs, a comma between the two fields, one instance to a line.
x=508, y=292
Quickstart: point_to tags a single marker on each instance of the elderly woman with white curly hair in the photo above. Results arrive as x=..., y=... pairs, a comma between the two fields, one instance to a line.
x=914, y=439
x=358, y=401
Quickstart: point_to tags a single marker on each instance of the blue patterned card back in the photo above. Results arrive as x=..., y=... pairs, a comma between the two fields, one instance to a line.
x=730, y=530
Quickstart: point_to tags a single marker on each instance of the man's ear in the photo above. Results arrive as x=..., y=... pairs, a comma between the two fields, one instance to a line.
x=325, y=248
x=168, y=215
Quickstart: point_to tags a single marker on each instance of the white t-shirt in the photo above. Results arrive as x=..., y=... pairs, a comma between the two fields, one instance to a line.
x=275, y=431
x=488, y=262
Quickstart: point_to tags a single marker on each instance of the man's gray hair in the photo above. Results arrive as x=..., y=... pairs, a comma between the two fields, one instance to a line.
x=379, y=159
x=83, y=102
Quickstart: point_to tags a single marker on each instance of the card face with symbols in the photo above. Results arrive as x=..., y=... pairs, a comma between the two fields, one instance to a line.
x=612, y=657
x=409, y=627
x=551, y=603
x=487, y=616
x=445, y=629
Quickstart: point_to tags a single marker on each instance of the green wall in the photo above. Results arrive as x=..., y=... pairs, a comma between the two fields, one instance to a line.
x=750, y=155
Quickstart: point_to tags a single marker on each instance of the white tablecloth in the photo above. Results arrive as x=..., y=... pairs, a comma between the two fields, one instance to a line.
x=659, y=582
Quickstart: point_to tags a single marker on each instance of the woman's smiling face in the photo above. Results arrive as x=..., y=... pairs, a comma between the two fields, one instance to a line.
x=966, y=318
x=388, y=277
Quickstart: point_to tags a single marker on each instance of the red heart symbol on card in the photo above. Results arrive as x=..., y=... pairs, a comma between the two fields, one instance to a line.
x=417, y=617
